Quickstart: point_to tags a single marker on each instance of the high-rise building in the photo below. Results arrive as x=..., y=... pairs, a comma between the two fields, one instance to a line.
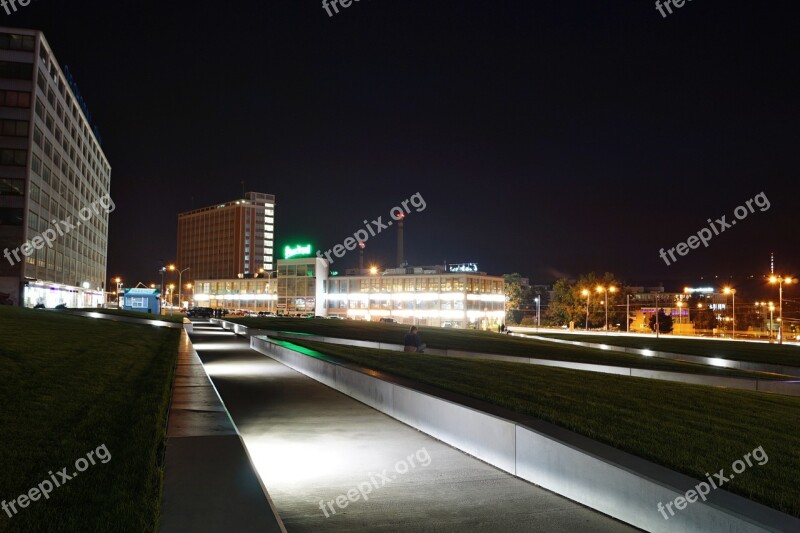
x=54, y=177
x=229, y=240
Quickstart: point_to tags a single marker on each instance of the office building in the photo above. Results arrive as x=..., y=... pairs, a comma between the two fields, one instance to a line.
x=52, y=169
x=228, y=240
x=427, y=296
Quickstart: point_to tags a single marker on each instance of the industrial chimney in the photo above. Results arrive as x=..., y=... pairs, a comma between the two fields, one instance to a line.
x=400, y=259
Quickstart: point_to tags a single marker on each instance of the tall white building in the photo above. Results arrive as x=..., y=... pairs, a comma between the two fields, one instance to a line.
x=52, y=168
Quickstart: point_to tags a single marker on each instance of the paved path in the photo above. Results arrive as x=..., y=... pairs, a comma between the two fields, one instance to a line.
x=312, y=444
x=209, y=483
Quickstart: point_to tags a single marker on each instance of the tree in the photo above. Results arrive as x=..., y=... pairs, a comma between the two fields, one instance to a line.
x=569, y=303
x=665, y=324
x=704, y=319
x=562, y=307
x=516, y=296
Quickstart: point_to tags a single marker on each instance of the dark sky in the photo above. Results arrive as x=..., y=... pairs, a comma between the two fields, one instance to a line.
x=546, y=137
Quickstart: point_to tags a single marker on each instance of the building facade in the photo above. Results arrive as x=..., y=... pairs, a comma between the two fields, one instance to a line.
x=227, y=240
x=250, y=294
x=426, y=296
x=53, y=173
x=302, y=283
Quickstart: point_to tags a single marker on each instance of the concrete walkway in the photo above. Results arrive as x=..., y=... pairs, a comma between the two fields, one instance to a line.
x=210, y=485
x=331, y=463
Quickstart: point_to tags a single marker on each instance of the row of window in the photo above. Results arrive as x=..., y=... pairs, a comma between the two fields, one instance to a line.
x=12, y=187
x=12, y=41
x=15, y=70
x=68, y=148
x=70, y=103
x=15, y=99
x=14, y=128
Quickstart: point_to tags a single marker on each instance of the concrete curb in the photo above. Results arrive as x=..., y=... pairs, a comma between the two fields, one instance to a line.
x=711, y=361
x=613, y=482
x=787, y=388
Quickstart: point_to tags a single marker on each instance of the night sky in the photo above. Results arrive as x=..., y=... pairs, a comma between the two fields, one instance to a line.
x=549, y=138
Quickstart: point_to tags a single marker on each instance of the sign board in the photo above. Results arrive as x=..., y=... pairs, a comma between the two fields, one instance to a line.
x=299, y=250
x=463, y=267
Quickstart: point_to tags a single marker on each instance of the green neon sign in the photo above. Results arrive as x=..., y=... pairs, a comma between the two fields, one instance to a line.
x=300, y=250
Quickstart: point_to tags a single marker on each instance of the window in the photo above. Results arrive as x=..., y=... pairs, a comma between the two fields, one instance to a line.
x=11, y=41
x=16, y=70
x=10, y=216
x=36, y=165
x=12, y=187
x=15, y=99
x=14, y=128
x=40, y=108
x=17, y=158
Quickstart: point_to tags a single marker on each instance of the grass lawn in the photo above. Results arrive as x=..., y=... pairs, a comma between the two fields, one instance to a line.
x=738, y=351
x=487, y=342
x=69, y=385
x=688, y=428
x=177, y=318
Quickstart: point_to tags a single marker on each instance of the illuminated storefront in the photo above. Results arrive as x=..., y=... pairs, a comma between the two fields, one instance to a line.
x=53, y=294
x=420, y=296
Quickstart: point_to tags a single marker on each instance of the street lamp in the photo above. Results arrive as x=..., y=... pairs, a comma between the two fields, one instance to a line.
x=780, y=281
x=680, y=314
x=269, y=286
x=728, y=290
x=171, y=290
x=538, y=321
x=771, y=309
x=605, y=291
x=162, y=270
x=586, y=293
x=180, y=282
x=118, y=281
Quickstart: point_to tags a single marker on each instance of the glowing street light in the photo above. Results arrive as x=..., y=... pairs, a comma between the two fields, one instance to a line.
x=728, y=290
x=587, y=293
x=780, y=281
x=118, y=281
x=180, y=282
x=605, y=291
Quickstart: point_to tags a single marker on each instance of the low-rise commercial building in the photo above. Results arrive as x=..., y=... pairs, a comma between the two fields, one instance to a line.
x=428, y=296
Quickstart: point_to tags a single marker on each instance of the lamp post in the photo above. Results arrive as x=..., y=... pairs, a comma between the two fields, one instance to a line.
x=538, y=321
x=680, y=314
x=780, y=281
x=605, y=291
x=162, y=270
x=771, y=309
x=627, y=313
x=269, y=286
x=728, y=290
x=118, y=281
x=586, y=293
x=180, y=281
x=171, y=296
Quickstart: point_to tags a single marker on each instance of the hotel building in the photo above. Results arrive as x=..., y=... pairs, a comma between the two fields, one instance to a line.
x=51, y=167
x=228, y=240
